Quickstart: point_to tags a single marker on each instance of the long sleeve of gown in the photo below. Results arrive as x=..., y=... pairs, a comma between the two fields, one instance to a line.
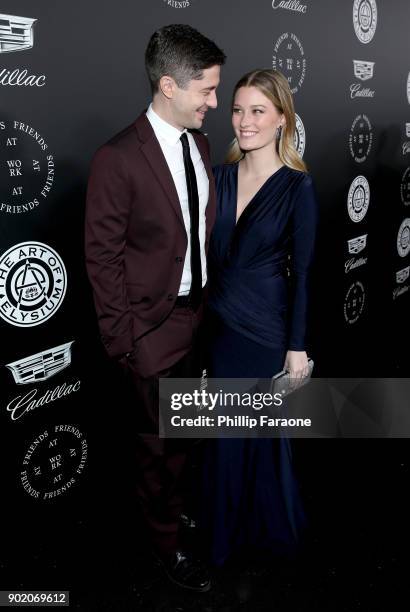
x=305, y=216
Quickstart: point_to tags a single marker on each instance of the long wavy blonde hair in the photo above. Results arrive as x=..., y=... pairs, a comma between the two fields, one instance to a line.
x=276, y=88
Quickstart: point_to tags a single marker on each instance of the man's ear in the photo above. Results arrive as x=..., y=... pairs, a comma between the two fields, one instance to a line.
x=167, y=86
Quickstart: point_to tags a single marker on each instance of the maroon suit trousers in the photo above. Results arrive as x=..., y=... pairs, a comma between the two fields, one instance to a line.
x=171, y=350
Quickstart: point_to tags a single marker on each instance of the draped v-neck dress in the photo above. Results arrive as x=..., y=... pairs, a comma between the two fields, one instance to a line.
x=258, y=294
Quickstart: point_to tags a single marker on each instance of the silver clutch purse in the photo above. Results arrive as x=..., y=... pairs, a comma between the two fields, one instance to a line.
x=282, y=382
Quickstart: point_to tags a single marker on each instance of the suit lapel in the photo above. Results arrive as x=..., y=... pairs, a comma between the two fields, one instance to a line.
x=152, y=151
x=155, y=157
x=211, y=207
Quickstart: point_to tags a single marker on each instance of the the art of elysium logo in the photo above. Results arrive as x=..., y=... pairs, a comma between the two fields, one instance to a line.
x=54, y=461
x=356, y=245
x=365, y=19
x=358, y=199
x=289, y=58
x=179, y=3
x=33, y=283
x=405, y=187
x=290, y=5
x=360, y=138
x=403, y=238
x=26, y=168
x=354, y=302
x=16, y=33
x=300, y=136
x=41, y=366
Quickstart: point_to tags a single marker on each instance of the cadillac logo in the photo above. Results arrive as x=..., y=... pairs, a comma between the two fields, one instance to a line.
x=300, y=136
x=33, y=282
x=41, y=366
x=403, y=275
x=290, y=5
x=16, y=33
x=365, y=19
x=363, y=70
x=358, y=199
x=354, y=302
x=403, y=238
x=355, y=245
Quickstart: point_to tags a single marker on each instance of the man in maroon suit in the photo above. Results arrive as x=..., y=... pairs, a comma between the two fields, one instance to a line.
x=150, y=209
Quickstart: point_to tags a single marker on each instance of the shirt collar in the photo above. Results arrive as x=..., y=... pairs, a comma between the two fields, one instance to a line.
x=164, y=129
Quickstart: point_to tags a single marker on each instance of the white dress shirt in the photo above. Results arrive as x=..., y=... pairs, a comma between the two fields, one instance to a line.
x=169, y=139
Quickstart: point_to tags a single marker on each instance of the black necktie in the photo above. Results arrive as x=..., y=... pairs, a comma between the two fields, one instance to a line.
x=195, y=293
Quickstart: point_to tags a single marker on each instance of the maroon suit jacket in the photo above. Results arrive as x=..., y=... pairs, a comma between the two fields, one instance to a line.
x=135, y=236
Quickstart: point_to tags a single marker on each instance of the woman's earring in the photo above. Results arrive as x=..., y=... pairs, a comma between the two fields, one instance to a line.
x=278, y=137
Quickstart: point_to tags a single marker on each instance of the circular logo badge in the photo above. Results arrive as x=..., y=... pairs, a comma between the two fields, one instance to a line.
x=360, y=139
x=403, y=238
x=26, y=168
x=300, y=136
x=365, y=19
x=54, y=461
x=289, y=58
x=354, y=302
x=358, y=199
x=405, y=187
x=33, y=283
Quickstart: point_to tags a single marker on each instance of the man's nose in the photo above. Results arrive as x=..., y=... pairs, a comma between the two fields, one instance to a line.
x=212, y=101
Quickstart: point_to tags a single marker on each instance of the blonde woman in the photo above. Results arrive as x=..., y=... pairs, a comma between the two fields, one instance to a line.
x=260, y=254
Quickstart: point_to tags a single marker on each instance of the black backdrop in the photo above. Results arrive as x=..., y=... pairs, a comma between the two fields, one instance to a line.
x=85, y=81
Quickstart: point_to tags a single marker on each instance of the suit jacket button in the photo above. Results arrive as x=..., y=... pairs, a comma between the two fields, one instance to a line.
x=178, y=259
x=170, y=297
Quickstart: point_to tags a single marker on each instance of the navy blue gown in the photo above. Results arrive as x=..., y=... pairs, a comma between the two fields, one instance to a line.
x=258, y=279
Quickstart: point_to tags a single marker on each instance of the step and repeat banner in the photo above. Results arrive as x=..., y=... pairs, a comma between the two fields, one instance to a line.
x=72, y=76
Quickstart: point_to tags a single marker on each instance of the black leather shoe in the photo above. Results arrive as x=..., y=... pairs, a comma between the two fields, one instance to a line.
x=186, y=572
x=187, y=522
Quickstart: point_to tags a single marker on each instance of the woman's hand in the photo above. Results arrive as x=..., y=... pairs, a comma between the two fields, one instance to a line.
x=296, y=363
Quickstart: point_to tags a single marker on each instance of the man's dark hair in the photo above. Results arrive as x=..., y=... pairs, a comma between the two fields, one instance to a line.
x=180, y=52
